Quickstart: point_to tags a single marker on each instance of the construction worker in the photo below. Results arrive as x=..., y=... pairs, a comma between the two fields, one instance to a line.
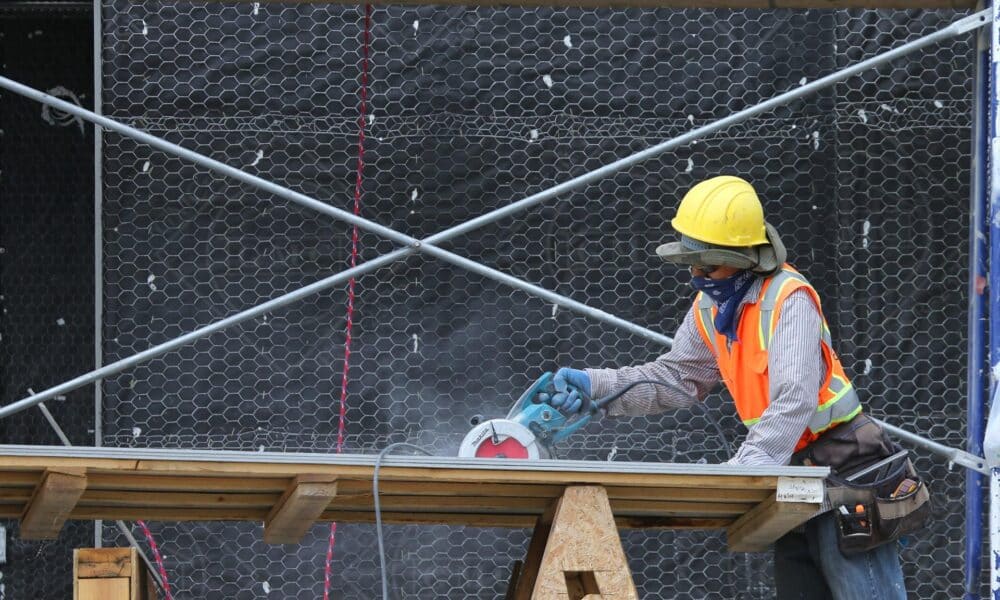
x=757, y=325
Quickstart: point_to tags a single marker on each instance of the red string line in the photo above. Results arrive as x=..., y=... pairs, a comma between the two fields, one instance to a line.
x=157, y=558
x=350, y=284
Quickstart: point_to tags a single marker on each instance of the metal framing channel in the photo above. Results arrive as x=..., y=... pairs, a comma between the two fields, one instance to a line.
x=98, y=246
x=976, y=377
x=991, y=440
x=426, y=245
x=416, y=461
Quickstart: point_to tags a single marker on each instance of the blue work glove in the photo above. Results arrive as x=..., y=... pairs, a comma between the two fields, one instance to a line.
x=572, y=391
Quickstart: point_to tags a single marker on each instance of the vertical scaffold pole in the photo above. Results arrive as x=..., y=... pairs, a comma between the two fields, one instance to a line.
x=978, y=386
x=991, y=441
x=992, y=449
x=98, y=247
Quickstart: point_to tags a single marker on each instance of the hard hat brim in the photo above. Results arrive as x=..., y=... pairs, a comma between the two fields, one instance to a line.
x=677, y=253
x=765, y=258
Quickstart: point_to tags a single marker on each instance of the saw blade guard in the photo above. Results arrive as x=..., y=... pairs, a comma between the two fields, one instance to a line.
x=502, y=438
x=531, y=424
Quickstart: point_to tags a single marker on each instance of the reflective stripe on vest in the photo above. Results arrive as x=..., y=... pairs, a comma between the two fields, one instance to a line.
x=837, y=403
x=705, y=306
x=843, y=406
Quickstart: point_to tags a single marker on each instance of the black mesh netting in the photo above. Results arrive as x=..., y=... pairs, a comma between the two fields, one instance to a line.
x=471, y=109
x=46, y=262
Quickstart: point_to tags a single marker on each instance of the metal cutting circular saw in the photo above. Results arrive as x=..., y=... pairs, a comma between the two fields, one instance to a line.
x=530, y=430
x=502, y=438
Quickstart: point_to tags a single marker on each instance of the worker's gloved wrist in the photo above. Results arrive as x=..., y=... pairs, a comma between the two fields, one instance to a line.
x=603, y=382
x=572, y=391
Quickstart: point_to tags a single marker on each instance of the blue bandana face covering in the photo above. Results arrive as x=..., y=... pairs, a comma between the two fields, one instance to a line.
x=727, y=294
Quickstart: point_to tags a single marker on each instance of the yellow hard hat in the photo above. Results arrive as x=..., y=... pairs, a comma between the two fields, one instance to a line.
x=722, y=211
x=721, y=222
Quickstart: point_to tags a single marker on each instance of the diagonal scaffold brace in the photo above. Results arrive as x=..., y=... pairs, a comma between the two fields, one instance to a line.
x=429, y=245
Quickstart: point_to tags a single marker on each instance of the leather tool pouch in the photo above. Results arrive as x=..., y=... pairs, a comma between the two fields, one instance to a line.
x=869, y=513
x=869, y=510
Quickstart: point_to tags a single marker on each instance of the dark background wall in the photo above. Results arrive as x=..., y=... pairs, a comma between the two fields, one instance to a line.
x=471, y=109
x=46, y=259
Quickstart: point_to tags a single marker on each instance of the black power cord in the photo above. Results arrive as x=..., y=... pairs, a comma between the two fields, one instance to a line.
x=601, y=404
x=378, y=507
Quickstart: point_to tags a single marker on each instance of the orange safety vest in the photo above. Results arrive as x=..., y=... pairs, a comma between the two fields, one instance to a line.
x=743, y=364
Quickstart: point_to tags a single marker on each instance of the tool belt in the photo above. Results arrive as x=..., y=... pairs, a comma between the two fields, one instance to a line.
x=881, y=504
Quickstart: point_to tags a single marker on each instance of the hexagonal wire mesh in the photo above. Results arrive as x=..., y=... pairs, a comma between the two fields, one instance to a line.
x=470, y=109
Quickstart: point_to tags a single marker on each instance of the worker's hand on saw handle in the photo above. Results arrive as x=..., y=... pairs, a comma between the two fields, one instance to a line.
x=572, y=391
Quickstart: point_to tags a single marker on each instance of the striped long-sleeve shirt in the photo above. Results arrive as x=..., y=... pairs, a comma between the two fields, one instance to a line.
x=796, y=371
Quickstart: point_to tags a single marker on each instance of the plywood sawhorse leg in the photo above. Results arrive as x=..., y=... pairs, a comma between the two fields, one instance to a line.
x=575, y=552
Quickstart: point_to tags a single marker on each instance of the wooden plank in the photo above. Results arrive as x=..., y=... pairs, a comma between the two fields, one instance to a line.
x=91, y=513
x=44, y=463
x=110, y=588
x=130, y=481
x=699, y=494
x=696, y=494
x=672, y=523
x=116, y=565
x=109, y=499
x=535, y=505
x=356, y=487
x=414, y=503
x=304, y=501
x=15, y=495
x=404, y=473
x=135, y=513
x=768, y=521
x=444, y=492
x=19, y=479
x=51, y=504
x=103, y=562
x=135, y=575
x=112, y=498
x=480, y=476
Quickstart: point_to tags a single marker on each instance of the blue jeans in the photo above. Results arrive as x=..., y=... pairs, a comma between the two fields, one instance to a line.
x=809, y=566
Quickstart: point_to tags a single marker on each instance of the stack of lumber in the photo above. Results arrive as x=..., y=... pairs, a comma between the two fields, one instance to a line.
x=44, y=486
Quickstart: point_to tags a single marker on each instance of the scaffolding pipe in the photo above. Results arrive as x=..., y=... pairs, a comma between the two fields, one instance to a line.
x=959, y=27
x=337, y=213
x=991, y=440
x=98, y=93
x=978, y=388
x=953, y=455
x=121, y=524
x=991, y=448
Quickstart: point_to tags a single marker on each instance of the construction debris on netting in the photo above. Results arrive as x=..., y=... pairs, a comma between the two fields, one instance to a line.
x=470, y=109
